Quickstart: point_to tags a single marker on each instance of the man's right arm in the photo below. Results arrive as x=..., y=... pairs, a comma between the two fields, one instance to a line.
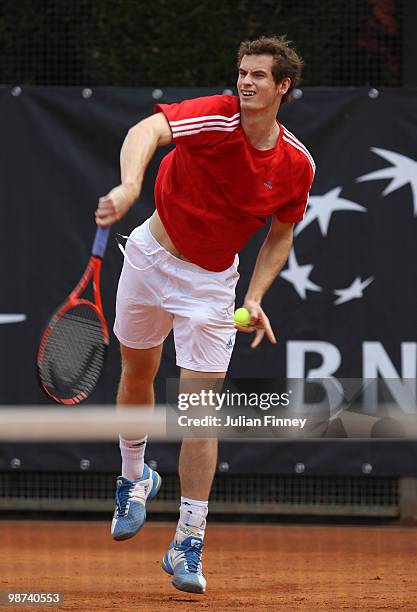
x=138, y=148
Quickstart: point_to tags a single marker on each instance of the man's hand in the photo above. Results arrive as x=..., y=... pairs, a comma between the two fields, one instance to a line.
x=115, y=205
x=271, y=258
x=259, y=323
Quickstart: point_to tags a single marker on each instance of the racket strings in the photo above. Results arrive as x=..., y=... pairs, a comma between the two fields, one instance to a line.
x=74, y=353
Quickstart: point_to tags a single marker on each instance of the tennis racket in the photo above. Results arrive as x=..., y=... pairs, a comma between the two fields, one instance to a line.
x=74, y=343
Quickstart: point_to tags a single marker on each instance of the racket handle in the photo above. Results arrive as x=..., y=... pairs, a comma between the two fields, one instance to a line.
x=100, y=241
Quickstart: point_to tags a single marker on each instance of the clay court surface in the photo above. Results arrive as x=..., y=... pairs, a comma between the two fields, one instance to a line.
x=261, y=567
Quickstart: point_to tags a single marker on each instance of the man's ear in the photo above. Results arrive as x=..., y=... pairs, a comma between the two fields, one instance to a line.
x=284, y=86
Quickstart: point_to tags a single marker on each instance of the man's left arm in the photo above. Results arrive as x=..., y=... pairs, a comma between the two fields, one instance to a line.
x=271, y=257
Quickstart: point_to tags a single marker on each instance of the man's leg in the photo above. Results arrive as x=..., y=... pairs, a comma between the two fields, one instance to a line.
x=197, y=465
x=138, y=482
x=139, y=368
x=198, y=457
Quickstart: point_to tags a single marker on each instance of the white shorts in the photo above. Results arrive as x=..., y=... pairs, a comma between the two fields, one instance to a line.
x=158, y=292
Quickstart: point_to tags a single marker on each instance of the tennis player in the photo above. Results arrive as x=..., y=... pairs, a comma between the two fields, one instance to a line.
x=233, y=167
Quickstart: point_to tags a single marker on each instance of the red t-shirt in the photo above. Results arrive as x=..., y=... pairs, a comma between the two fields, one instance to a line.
x=214, y=190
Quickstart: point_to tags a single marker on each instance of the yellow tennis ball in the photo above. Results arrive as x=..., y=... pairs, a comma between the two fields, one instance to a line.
x=242, y=316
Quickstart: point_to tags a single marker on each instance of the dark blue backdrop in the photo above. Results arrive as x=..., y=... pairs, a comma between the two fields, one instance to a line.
x=345, y=304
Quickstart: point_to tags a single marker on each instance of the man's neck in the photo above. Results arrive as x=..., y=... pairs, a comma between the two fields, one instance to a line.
x=261, y=128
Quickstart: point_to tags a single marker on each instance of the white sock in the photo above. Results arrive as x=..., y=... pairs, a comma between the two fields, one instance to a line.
x=192, y=522
x=133, y=457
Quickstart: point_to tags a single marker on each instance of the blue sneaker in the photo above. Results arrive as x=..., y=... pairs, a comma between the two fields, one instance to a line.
x=183, y=562
x=131, y=498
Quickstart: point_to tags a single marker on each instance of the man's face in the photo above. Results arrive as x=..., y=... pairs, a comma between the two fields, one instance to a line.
x=256, y=86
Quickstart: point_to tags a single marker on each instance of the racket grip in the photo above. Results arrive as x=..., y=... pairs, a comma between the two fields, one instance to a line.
x=100, y=241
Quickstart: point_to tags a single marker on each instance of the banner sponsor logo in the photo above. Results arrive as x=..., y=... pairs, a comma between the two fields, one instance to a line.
x=402, y=172
x=12, y=318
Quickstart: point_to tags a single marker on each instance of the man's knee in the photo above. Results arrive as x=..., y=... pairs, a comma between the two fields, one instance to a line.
x=140, y=366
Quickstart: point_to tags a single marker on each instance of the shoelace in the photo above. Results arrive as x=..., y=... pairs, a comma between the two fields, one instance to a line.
x=122, y=497
x=192, y=555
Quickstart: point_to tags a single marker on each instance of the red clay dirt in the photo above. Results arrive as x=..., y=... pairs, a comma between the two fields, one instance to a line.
x=258, y=567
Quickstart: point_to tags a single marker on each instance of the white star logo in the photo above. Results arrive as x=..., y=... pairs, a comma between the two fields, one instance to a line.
x=355, y=290
x=12, y=318
x=402, y=172
x=298, y=276
x=322, y=207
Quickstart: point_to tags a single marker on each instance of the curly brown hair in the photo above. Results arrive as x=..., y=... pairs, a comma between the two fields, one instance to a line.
x=286, y=61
